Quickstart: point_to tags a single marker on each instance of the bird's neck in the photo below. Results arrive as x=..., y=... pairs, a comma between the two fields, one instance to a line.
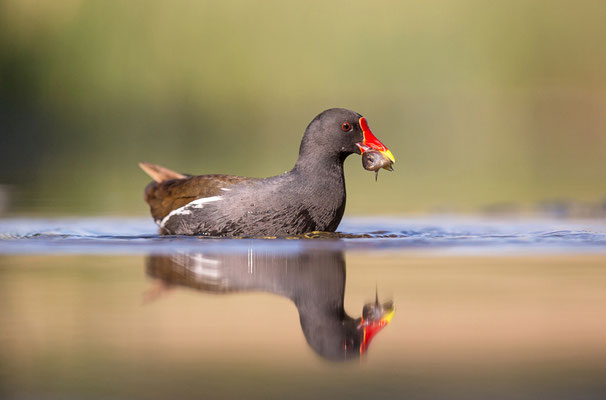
x=316, y=156
x=317, y=166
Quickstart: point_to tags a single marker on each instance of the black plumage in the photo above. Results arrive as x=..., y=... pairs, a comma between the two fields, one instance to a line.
x=310, y=197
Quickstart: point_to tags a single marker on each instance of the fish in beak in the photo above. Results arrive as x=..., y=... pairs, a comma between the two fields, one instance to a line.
x=371, y=143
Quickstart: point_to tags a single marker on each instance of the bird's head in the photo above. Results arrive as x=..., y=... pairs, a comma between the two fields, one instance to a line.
x=339, y=132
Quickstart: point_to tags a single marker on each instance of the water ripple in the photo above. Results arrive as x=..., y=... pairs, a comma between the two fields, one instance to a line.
x=467, y=235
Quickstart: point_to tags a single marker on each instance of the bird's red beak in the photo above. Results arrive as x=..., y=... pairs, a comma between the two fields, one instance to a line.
x=371, y=142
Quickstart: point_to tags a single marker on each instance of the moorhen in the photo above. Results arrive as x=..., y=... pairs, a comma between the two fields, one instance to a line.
x=310, y=197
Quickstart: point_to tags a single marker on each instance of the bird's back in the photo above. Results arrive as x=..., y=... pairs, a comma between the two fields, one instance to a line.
x=171, y=190
x=227, y=205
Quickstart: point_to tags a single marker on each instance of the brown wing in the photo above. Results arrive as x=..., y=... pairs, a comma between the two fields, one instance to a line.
x=167, y=195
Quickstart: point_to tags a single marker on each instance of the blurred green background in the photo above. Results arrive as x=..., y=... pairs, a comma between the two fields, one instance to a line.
x=482, y=103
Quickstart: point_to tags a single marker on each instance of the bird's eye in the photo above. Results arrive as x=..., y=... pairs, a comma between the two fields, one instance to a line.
x=346, y=126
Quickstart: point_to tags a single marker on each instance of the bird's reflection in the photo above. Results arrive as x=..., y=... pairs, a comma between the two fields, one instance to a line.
x=313, y=280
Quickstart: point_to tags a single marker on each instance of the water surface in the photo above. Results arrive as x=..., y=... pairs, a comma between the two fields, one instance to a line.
x=463, y=235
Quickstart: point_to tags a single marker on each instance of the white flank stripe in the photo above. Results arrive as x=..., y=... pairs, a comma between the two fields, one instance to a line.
x=185, y=210
x=199, y=203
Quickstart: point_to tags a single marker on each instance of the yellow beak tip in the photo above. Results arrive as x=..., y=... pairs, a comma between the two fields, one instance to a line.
x=389, y=155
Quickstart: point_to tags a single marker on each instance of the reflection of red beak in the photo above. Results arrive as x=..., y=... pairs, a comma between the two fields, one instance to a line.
x=371, y=328
x=371, y=142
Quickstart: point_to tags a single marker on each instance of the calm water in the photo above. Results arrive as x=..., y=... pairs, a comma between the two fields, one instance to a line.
x=484, y=308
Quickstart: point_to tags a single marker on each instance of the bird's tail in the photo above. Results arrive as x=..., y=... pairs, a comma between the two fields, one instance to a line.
x=160, y=174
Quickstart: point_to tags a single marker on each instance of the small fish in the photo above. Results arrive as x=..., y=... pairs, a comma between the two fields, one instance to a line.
x=374, y=161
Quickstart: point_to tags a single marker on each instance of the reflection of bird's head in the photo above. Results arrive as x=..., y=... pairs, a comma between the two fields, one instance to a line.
x=345, y=338
x=375, y=316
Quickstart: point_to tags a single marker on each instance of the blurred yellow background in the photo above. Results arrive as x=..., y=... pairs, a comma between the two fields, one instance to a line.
x=482, y=103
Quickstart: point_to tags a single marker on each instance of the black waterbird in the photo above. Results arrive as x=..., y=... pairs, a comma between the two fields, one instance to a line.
x=309, y=197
